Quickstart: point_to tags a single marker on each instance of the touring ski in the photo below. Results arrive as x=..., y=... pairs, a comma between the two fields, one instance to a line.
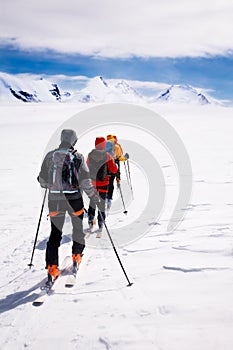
x=49, y=286
x=99, y=234
x=71, y=279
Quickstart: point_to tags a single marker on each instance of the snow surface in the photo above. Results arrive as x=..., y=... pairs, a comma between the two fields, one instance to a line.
x=183, y=281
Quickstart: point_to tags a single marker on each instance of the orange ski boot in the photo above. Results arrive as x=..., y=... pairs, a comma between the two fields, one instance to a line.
x=77, y=258
x=53, y=273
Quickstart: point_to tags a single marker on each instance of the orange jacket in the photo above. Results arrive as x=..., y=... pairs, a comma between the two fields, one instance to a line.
x=118, y=153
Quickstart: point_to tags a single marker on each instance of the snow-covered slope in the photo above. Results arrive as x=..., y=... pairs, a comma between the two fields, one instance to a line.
x=182, y=293
x=182, y=94
x=100, y=90
x=28, y=88
x=34, y=88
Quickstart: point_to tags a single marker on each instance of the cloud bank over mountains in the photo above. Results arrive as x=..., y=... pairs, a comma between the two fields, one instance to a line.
x=148, y=28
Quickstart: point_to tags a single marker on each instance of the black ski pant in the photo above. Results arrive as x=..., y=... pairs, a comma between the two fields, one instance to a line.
x=111, y=180
x=111, y=186
x=57, y=211
x=92, y=208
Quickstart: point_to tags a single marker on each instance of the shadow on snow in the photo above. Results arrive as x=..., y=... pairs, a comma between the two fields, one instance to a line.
x=14, y=300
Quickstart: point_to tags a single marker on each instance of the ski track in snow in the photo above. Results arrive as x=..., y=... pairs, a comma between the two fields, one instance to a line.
x=182, y=292
x=194, y=269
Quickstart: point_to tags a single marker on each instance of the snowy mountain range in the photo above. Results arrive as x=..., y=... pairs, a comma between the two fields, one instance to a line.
x=183, y=94
x=33, y=88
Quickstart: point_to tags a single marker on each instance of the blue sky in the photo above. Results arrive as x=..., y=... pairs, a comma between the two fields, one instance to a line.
x=174, y=41
x=215, y=73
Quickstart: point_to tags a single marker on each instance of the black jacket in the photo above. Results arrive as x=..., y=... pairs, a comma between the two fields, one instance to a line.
x=83, y=176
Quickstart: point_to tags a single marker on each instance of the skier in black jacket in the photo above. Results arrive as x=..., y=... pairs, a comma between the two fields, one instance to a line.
x=64, y=172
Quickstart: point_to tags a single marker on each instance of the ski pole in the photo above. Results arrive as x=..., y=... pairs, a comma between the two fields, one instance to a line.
x=127, y=175
x=38, y=226
x=114, y=248
x=119, y=187
x=130, y=182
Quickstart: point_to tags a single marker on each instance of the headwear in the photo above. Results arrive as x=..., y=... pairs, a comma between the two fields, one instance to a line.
x=115, y=138
x=100, y=143
x=69, y=136
x=110, y=138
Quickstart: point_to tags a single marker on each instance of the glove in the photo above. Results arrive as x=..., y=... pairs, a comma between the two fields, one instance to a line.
x=43, y=184
x=118, y=178
x=126, y=156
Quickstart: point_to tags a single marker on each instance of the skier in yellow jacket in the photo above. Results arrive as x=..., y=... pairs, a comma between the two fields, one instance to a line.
x=118, y=156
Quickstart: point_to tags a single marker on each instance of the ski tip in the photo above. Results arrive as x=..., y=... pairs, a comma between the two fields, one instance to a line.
x=37, y=303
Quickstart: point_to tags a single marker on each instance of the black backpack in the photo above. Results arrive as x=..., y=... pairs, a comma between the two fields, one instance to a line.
x=98, y=165
x=64, y=172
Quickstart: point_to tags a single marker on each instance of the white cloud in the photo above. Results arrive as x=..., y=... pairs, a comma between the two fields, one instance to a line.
x=107, y=28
